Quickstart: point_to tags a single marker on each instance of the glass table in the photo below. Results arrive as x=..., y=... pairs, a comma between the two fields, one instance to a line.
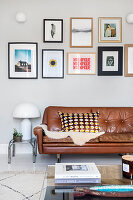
x=111, y=175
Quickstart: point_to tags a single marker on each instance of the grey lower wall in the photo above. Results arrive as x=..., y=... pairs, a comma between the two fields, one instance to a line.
x=73, y=90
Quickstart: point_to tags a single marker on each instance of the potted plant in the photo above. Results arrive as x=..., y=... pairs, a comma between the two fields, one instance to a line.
x=17, y=137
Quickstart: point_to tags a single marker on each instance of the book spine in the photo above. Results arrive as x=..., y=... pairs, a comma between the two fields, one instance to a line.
x=92, y=180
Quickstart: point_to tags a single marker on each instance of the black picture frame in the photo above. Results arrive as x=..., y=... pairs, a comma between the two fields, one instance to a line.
x=44, y=64
x=10, y=64
x=119, y=72
x=44, y=31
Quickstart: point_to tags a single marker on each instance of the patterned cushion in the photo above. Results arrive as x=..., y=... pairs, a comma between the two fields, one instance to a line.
x=79, y=122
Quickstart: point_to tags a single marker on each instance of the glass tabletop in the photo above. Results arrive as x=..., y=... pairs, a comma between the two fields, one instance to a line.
x=111, y=175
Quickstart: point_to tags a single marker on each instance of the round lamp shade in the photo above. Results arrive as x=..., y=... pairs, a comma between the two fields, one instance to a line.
x=26, y=110
x=129, y=18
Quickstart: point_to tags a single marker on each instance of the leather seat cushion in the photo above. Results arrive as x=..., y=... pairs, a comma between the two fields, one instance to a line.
x=64, y=140
x=116, y=137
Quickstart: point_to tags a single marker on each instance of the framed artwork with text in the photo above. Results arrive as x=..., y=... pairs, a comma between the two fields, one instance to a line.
x=82, y=63
x=110, y=61
x=110, y=29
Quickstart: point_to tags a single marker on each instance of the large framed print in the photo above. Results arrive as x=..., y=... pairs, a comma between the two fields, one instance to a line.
x=81, y=63
x=81, y=32
x=53, y=30
x=129, y=60
x=110, y=61
x=52, y=63
x=110, y=29
x=22, y=60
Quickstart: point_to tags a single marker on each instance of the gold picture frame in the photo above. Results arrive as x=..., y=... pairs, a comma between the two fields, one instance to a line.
x=128, y=72
x=110, y=29
x=80, y=28
x=81, y=63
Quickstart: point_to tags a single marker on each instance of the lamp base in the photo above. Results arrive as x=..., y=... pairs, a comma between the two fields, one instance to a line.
x=25, y=127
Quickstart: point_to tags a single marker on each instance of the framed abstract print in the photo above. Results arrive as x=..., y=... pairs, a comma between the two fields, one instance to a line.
x=82, y=63
x=52, y=63
x=22, y=60
x=110, y=61
x=81, y=32
x=53, y=30
x=129, y=60
x=110, y=29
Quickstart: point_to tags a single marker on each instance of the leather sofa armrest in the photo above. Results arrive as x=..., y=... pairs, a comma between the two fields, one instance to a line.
x=38, y=131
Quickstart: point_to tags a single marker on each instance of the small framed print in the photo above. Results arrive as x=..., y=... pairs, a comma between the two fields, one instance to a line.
x=82, y=63
x=53, y=30
x=81, y=32
x=52, y=63
x=22, y=60
x=110, y=29
x=110, y=61
x=129, y=60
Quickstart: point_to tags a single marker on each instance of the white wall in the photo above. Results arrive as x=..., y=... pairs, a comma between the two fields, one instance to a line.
x=73, y=90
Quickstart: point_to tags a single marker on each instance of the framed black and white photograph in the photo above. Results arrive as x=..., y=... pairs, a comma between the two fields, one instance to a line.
x=81, y=32
x=22, y=60
x=53, y=30
x=110, y=61
x=52, y=63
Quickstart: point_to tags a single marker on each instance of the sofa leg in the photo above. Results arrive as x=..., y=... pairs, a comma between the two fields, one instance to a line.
x=58, y=158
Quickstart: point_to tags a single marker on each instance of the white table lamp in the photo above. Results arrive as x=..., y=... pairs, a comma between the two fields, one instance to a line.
x=26, y=111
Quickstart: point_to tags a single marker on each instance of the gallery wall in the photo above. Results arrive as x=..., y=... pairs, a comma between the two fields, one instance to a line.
x=73, y=90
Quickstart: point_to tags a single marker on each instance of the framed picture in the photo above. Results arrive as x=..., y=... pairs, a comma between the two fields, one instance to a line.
x=22, y=60
x=53, y=30
x=129, y=60
x=81, y=32
x=110, y=29
x=82, y=63
x=52, y=63
x=110, y=61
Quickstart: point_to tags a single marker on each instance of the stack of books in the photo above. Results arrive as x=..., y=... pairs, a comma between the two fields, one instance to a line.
x=76, y=173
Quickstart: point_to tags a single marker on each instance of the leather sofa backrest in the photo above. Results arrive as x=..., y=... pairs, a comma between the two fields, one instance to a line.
x=111, y=119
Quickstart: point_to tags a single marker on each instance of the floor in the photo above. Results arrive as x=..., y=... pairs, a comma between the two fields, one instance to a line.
x=23, y=180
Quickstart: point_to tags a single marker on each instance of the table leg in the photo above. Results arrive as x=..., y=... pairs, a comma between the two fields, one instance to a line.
x=13, y=152
x=34, y=149
x=9, y=151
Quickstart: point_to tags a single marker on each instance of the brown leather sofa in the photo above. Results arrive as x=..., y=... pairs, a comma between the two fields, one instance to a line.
x=117, y=122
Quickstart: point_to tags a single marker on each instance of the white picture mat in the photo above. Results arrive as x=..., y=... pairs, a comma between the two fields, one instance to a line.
x=111, y=21
x=80, y=38
x=56, y=71
x=104, y=56
x=31, y=74
x=58, y=30
x=130, y=60
x=82, y=71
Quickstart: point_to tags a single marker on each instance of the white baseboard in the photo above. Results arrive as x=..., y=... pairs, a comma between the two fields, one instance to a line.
x=20, y=148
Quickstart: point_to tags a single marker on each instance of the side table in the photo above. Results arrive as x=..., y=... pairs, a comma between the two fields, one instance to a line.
x=11, y=146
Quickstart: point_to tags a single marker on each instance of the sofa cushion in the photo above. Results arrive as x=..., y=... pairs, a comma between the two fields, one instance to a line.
x=79, y=122
x=116, y=137
x=111, y=119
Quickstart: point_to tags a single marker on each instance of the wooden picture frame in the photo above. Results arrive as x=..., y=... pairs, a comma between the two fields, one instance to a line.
x=22, y=60
x=81, y=63
x=110, y=29
x=53, y=30
x=128, y=72
x=52, y=63
x=110, y=61
x=81, y=32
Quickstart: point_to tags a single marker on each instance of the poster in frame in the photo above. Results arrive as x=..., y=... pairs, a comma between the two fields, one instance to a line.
x=53, y=30
x=22, y=60
x=110, y=29
x=110, y=61
x=81, y=32
x=52, y=63
x=128, y=60
x=81, y=63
